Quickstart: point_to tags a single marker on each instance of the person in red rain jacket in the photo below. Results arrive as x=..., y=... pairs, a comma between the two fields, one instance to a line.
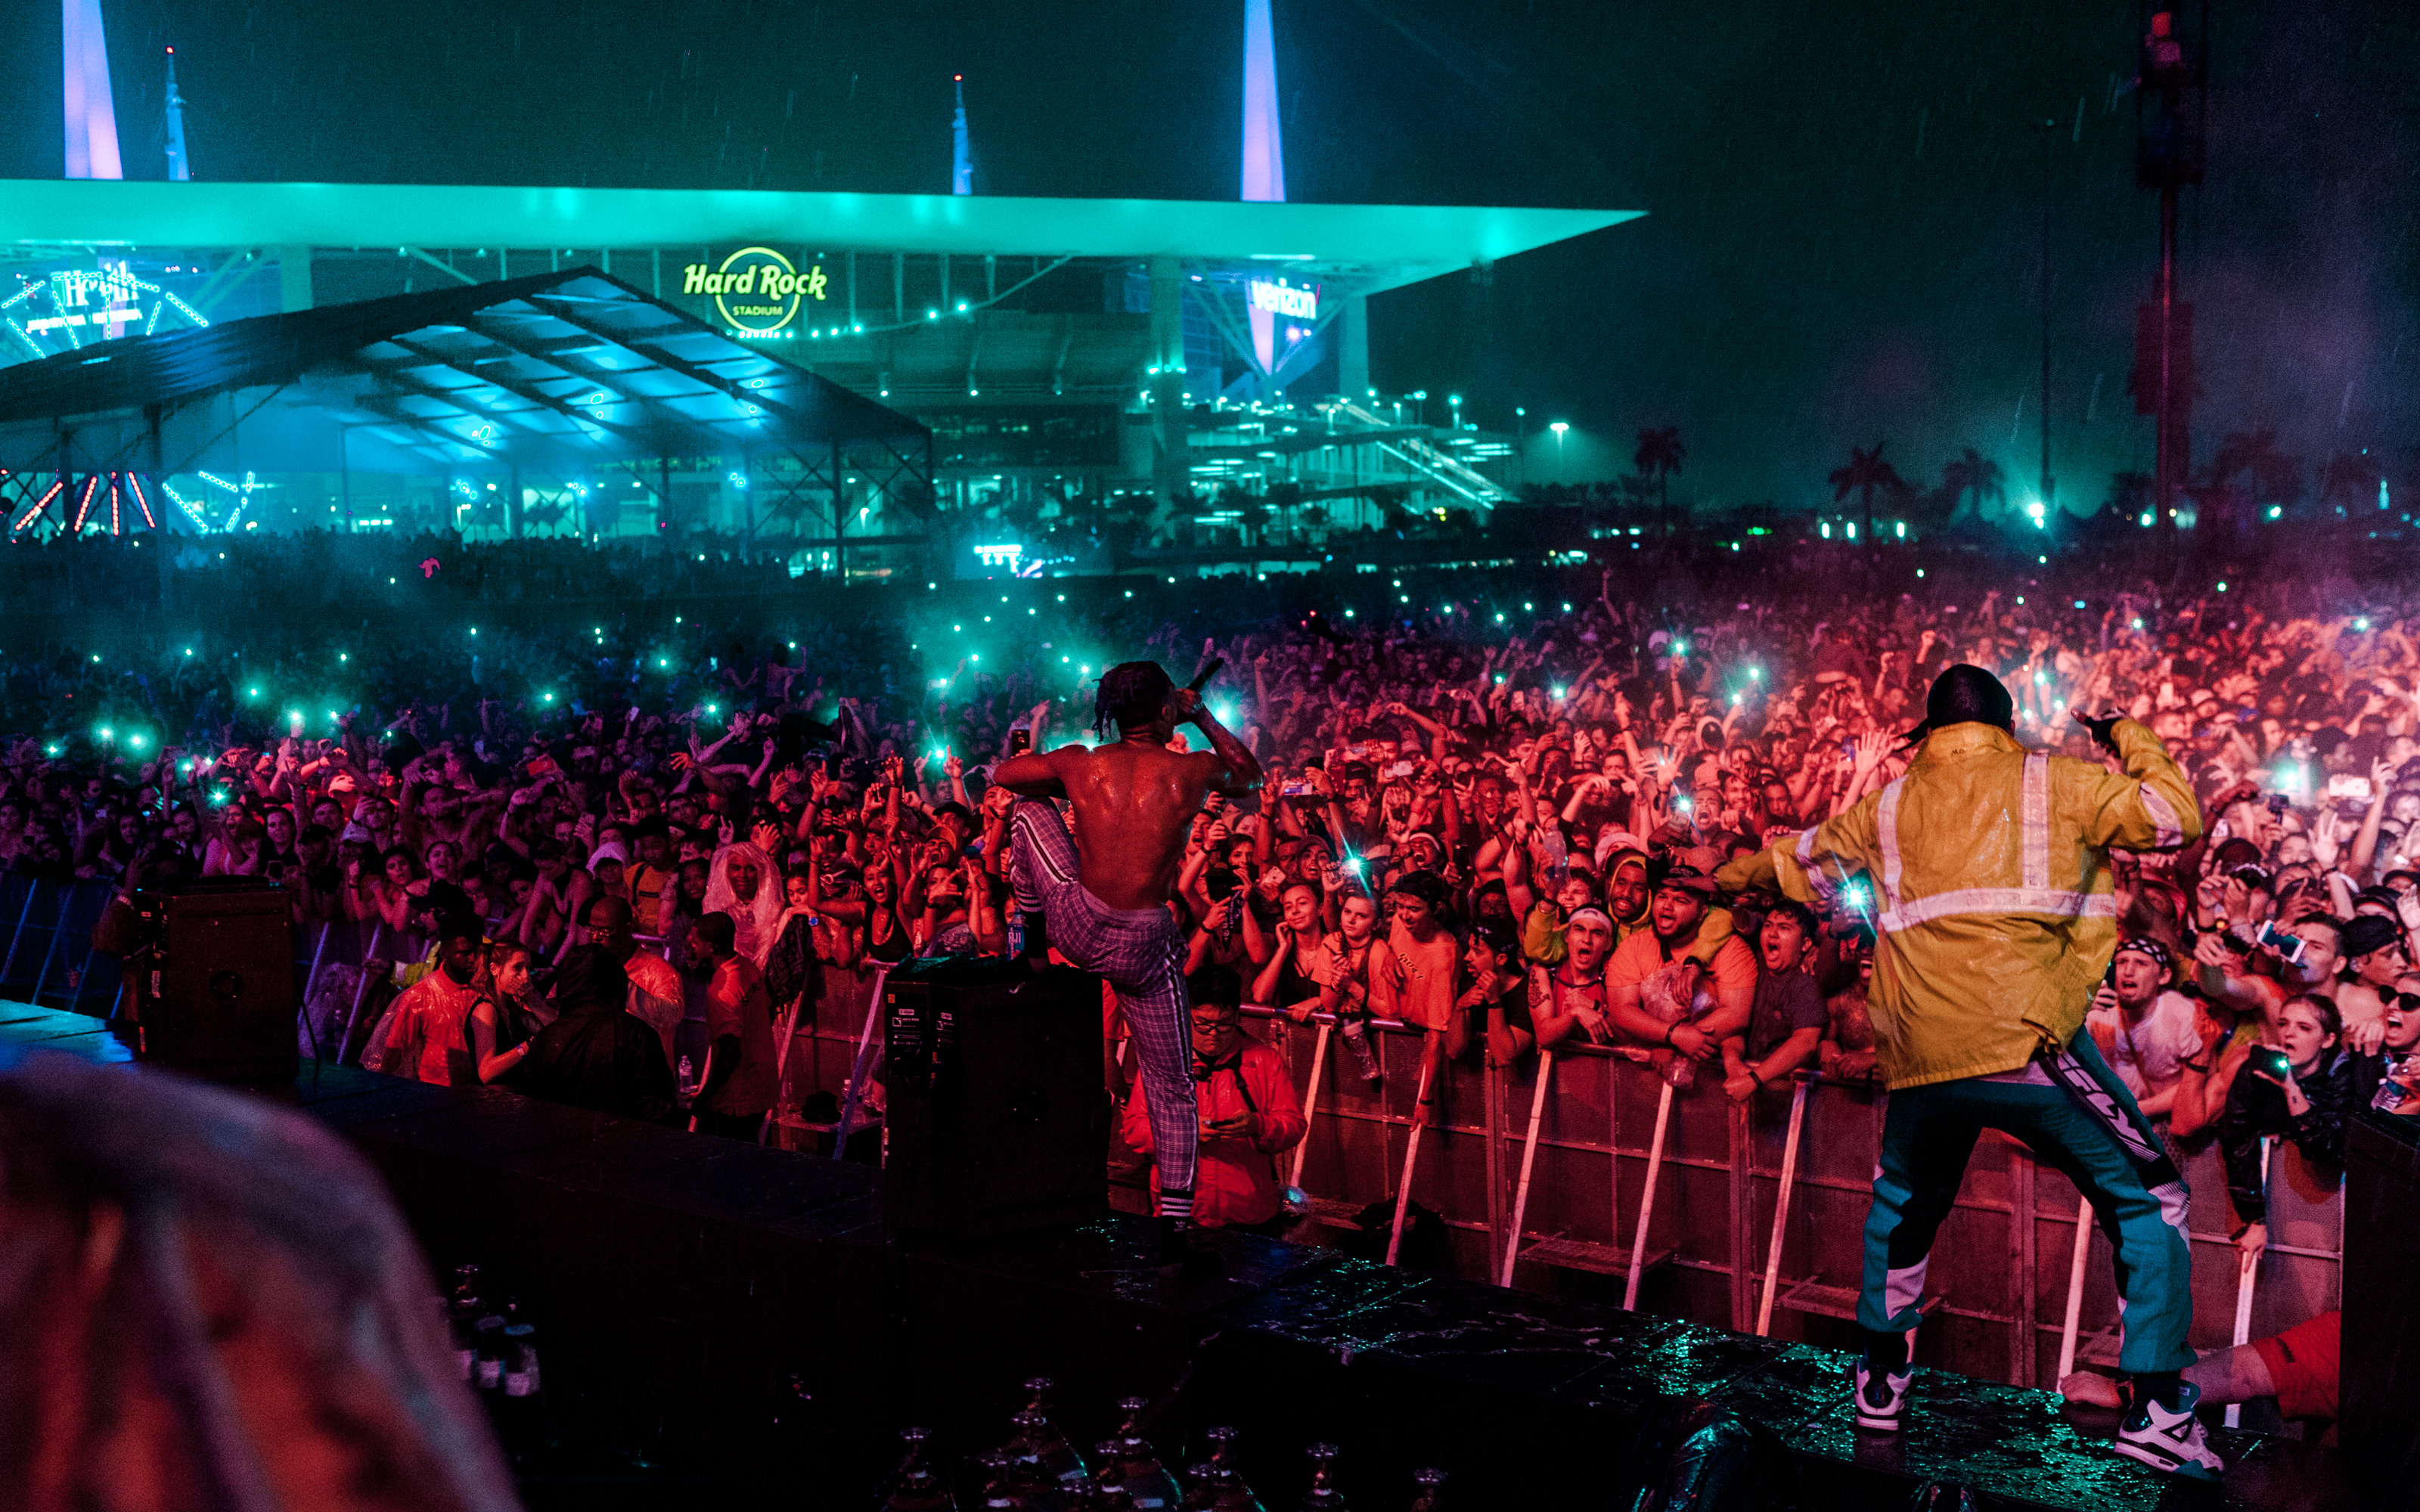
x=1246, y=1108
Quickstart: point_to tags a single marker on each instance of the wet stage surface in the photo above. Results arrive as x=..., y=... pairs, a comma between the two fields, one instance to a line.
x=721, y=1317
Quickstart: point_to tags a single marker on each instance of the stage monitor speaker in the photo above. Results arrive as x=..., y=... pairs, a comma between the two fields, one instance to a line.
x=2379, y=1369
x=997, y=1121
x=212, y=979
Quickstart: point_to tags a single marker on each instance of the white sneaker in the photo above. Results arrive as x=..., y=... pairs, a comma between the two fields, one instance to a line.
x=2168, y=1440
x=1882, y=1400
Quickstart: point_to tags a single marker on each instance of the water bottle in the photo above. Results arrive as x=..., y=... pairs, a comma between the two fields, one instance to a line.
x=1053, y=1456
x=1355, y=1031
x=1323, y=1495
x=521, y=1411
x=1146, y=1482
x=915, y=1489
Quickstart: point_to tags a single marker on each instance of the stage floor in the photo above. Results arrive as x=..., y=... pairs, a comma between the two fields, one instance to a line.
x=782, y=1336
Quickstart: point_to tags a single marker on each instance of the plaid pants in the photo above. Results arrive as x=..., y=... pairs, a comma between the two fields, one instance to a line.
x=1140, y=953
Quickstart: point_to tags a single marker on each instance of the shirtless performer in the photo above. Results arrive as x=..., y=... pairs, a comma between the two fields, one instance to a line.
x=1101, y=898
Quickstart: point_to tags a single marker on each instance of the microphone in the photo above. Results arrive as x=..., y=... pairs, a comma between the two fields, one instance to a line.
x=1202, y=678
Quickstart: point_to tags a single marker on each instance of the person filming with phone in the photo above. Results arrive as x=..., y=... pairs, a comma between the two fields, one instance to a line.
x=2301, y=1088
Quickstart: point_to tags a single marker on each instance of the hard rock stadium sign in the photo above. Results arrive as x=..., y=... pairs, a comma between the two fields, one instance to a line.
x=756, y=290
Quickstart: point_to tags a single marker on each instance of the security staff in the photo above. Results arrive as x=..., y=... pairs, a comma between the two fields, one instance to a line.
x=1996, y=916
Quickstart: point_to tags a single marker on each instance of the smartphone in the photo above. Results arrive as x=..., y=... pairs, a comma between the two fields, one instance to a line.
x=1356, y=751
x=543, y=766
x=2269, y=1061
x=1291, y=789
x=1401, y=769
x=1020, y=740
x=2349, y=788
x=2289, y=947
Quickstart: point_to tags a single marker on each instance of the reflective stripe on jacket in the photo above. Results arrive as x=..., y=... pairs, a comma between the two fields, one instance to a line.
x=1986, y=876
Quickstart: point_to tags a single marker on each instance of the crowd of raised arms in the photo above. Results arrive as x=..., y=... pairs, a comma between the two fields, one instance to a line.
x=1495, y=817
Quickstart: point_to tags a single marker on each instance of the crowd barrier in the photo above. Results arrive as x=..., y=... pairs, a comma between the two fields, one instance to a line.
x=1553, y=1174
x=1544, y=1175
x=50, y=961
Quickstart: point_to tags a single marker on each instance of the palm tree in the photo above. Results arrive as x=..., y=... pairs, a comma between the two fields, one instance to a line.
x=1983, y=479
x=1866, y=474
x=1659, y=455
x=2348, y=482
x=2270, y=476
x=2130, y=495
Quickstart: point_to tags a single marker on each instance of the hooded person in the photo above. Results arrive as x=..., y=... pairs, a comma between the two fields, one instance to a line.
x=744, y=883
x=1995, y=916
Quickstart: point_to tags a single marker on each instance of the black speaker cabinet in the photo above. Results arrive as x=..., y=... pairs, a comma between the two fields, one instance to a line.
x=213, y=979
x=2378, y=1375
x=997, y=1121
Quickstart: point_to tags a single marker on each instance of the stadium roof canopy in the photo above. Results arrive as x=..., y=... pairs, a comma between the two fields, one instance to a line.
x=1376, y=246
x=557, y=372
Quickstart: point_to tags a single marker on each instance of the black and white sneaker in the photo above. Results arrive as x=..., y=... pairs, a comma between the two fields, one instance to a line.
x=2168, y=1440
x=1882, y=1399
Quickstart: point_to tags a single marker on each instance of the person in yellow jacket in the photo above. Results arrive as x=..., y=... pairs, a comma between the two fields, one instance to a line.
x=1985, y=872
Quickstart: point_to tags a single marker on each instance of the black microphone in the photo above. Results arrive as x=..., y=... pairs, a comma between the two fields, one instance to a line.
x=1202, y=678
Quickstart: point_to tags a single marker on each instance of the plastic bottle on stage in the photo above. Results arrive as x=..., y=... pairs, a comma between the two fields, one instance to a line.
x=916, y=1489
x=1146, y=1481
x=462, y=1315
x=1219, y=1485
x=1041, y=1444
x=1108, y=1493
x=488, y=1358
x=1323, y=1495
x=520, y=1412
x=463, y=1309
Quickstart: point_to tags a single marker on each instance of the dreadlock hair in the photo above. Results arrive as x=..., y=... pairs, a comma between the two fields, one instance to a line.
x=1132, y=693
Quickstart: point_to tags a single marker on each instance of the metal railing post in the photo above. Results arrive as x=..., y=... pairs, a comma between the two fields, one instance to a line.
x=1647, y=1200
x=50, y=953
x=1781, y=1207
x=1411, y=1162
x=1528, y=1159
x=22, y=914
x=1311, y=1102
x=2247, y=1273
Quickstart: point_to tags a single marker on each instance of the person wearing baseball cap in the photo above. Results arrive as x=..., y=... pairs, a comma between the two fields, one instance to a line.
x=1995, y=916
x=1665, y=962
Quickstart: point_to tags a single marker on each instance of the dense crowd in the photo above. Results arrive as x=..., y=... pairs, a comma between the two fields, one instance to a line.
x=1498, y=827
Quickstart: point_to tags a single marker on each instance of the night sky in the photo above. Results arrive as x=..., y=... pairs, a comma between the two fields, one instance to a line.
x=1842, y=243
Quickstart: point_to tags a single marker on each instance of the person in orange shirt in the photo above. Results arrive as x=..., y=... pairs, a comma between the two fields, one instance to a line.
x=1246, y=1106
x=1416, y=980
x=427, y=1035
x=1654, y=982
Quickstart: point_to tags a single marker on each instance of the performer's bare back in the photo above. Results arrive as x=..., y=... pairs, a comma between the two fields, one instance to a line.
x=1135, y=800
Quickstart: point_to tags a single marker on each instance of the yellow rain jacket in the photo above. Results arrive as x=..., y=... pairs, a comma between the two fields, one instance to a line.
x=1986, y=876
